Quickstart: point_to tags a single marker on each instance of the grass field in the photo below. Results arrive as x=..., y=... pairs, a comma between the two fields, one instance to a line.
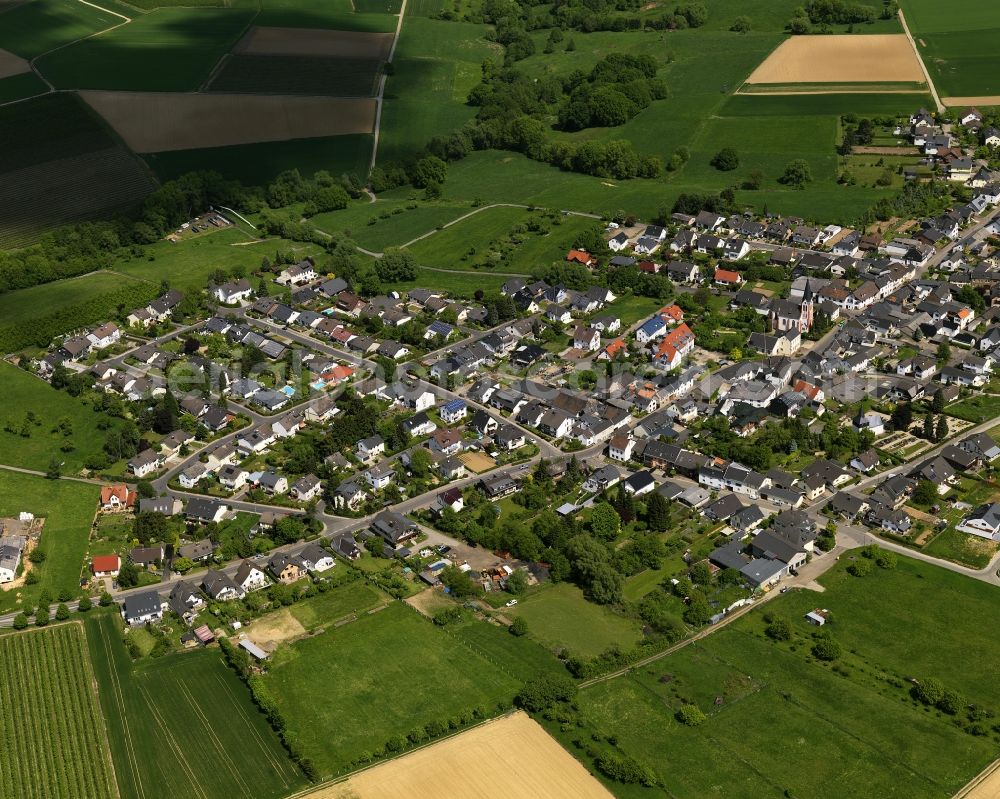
x=969, y=550
x=560, y=618
x=976, y=409
x=170, y=49
x=771, y=707
x=52, y=741
x=272, y=74
x=68, y=509
x=437, y=64
x=188, y=265
x=364, y=222
x=335, y=604
x=489, y=239
x=38, y=26
x=184, y=725
x=24, y=392
x=521, y=657
x=258, y=164
x=341, y=701
x=954, y=43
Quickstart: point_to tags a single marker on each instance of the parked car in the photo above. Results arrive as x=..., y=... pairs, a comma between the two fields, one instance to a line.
x=512, y=603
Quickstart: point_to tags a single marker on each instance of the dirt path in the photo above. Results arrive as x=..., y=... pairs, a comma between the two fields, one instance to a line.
x=884, y=151
x=923, y=67
x=979, y=100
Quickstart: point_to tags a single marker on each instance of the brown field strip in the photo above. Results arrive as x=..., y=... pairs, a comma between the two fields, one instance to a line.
x=509, y=758
x=964, y=101
x=152, y=122
x=477, y=461
x=11, y=64
x=315, y=42
x=878, y=58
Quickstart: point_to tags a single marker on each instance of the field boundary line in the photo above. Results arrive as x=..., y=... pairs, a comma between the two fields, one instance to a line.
x=96, y=694
x=322, y=784
x=380, y=97
x=920, y=60
x=182, y=761
x=978, y=780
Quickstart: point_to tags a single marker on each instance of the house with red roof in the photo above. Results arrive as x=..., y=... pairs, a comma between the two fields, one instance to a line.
x=117, y=497
x=672, y=314
x=675, y=345
x=105, y=565
x=727, y=277
x=580, y=257
x=614, y=349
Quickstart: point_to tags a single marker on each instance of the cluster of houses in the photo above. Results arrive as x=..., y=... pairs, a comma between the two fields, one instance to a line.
x=942, y=149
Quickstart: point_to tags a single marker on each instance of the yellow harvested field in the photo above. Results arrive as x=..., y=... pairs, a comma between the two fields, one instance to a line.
x=315, y=42
x=879, y=58
x=11, y=64
x=966, y=101
x=153, y=122
x=510, y=758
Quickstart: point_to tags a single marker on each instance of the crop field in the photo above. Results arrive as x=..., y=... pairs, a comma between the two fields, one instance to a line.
x=156, y=122
x=63, y=190
x=68, y=509
x=19, y=87
x=315, y=43
x=58, y=163
x=559, y=617
x=840, y=59
x=35, y=27
x=52, y=741
x=184, y=725
x=771, y=706
x=512, y=751
x=259, y=163
x=421, y=674
x=11, y=64
x=308, y=75
x=167, y=50
x=43, y=442
x=342, y=15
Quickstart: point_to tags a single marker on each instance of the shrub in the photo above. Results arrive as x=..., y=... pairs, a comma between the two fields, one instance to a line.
x=826, y=649
x=690, y=715
x=779, y=630
x=726, y=160
x=625, y=769
x=860, y=568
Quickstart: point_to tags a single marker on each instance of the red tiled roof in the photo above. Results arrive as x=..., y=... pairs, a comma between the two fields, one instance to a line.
x=105, y=563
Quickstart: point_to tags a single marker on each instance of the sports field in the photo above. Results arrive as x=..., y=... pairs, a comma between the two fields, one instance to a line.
x=511, y=757
x=772, y=706
x=341, y=702
x=52, y=739
x=840, y=59
x=184, y=725
x=157, y=122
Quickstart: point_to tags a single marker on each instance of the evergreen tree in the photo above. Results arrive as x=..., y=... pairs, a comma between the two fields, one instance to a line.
x=929, y=427
x=937, y=404
x=942, y=428
x=657, y=512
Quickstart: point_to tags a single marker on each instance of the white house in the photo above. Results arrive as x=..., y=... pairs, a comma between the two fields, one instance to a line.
x=142, y=608
x=587, y=339
x=233, y=292
x=380, y=476
x=145, y=463
x=984, y=522
x=104, y=336
x=250, y=578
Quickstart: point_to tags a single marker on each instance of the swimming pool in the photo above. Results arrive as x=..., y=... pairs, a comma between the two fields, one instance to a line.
x=288, y=391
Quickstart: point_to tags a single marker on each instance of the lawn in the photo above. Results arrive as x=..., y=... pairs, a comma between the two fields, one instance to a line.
x=258, y=164
x=170, y=49
x=630, y=308
x=772, y=706
x=38, y=26
x=335, y=604
x=559, y=617
x=68, y=509
x=52, y=741
x=976, y=409
x=347, y=691
x=184, y=725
